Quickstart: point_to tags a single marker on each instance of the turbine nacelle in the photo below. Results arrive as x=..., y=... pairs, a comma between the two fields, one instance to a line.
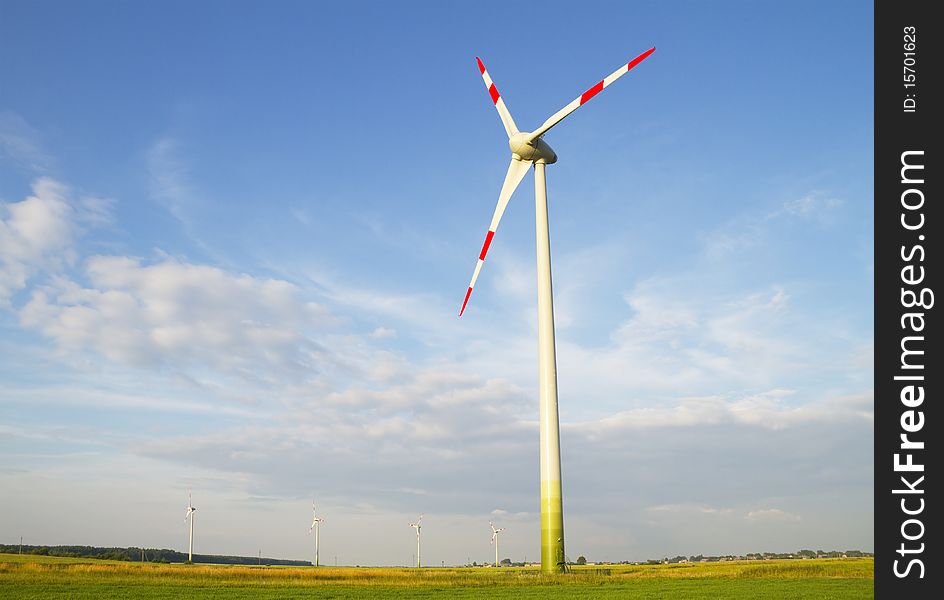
x=523, y=147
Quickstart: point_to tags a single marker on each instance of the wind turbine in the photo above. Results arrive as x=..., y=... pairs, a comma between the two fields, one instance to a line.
x=315, y=523
x=418, y=525
x=189, y=517
x=529, y=149
x=495, y=533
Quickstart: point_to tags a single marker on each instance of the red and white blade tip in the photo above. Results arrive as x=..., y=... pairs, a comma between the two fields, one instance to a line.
x=466, y=301
x=478, y=267
x=508, y=121
x=590, y=93
x=598, y=87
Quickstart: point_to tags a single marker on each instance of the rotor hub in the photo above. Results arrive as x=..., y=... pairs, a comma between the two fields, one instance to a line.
x=536, y=150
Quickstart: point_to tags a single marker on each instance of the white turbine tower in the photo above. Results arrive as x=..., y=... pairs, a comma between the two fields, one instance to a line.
x=189, y=517
x=495, y=533
x=315, y=524
x=529, y=149
x=418, y=526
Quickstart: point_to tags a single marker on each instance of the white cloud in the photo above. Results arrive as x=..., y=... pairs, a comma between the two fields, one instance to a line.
x=38, y=234
x=95, y=211
x=756, y=515
x=812, y=205
x=676, y=509
x=87, y=398
x=745, y=232
x=35, y=234
x=169, y=176
x=22, y=144
x=768, y=410
x=681, y=341
x=178, y=313
x=772, y=514
x=436, y=425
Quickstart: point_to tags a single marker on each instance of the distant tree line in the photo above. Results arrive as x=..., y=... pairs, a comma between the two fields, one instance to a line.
x=758, y=556
x=159, y=555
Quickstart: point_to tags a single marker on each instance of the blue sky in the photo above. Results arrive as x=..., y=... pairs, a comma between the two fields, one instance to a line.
x=234, y=240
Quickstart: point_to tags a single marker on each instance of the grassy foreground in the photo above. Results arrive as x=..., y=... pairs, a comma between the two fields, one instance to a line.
x=40, y=577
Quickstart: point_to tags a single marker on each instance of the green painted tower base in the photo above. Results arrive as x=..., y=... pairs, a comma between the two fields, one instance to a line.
x=552, y=529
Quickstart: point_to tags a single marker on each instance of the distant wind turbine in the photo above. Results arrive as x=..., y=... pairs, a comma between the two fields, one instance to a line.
x=189, y=517
x=418, y=525
x=315, y=524
x=495, y=533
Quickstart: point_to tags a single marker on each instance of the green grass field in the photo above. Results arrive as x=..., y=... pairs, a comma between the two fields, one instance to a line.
x=41, y=578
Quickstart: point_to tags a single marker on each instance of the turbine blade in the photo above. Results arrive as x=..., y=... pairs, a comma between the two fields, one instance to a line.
x=516, y=172
x=507, y=121
x=590, y=93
